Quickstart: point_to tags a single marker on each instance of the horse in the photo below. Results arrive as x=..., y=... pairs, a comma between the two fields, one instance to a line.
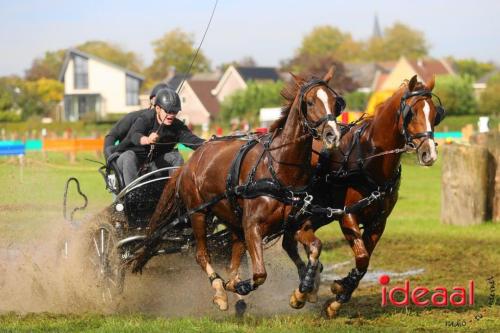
x=252, y=185
x=363, y=176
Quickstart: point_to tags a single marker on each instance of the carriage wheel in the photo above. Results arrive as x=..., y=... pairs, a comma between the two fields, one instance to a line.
x=105, y=261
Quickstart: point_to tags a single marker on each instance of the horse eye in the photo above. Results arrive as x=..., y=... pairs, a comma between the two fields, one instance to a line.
x=310, y=103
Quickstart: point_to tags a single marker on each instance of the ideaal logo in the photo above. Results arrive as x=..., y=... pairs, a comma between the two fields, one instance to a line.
x=423, y=296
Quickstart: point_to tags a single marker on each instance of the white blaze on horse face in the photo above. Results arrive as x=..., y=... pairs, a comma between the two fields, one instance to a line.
x=430, y=142
x=323, y=96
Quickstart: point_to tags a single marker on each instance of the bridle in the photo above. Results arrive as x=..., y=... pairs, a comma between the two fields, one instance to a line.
x=406, y=112
x=312, y=126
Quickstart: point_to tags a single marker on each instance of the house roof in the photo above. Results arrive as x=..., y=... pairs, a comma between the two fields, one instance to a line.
x=426, y=68
x=77, y=52
x=202, y=89
x=176, y=79
x=258, y=73
x=362, y=73
x=387, y=66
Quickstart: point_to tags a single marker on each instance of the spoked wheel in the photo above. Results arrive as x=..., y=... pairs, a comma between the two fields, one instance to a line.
x=105, y=262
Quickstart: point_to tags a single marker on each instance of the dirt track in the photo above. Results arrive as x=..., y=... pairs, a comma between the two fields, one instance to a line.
x=38, y=278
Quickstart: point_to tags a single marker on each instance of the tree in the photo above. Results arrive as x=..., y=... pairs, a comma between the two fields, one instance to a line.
x=48, y=67
x=307, y=65
x=397, y=41
x=246, y=104
x=328, y=41
x=489, y=102
x=356, y=100
x=457, y=94
x=175, y=49
x=114, y=54
x=472, y=67
x=28, y=98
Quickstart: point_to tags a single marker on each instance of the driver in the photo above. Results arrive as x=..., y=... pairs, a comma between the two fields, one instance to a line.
x=161, y=128
x=119, y=131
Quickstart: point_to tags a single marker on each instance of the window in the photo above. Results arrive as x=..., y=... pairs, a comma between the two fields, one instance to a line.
x=81, y=72
x=132, y=86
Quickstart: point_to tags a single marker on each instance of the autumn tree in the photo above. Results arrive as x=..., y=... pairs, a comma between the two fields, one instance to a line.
x=175, y=49
x=308, y=65
x=398, y=40
x=328, y=41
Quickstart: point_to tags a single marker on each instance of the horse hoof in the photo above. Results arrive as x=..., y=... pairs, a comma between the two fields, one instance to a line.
x=240, y=307
x=331, y=309
x=221, y=302
x=295, y=300
x=312, y=298
x=336, y=288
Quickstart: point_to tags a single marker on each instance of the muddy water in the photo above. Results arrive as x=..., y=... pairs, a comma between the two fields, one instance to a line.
x=38, y=278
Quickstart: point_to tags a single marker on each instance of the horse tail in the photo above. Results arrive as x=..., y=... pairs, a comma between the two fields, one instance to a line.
x=166, y=210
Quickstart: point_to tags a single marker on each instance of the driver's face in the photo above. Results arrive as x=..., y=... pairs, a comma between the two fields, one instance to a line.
x=166, y=117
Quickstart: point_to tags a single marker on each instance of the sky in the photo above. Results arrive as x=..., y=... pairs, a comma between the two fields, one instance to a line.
x=268, y=31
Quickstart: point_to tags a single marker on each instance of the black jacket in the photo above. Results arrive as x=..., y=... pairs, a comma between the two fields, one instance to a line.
x=169, y=136
x=120, y=130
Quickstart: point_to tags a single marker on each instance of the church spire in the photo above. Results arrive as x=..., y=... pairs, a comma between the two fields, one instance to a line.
x=377, y=32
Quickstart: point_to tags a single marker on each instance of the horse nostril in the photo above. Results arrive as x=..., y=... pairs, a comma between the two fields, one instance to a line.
x=425, y=157
x=330, y=138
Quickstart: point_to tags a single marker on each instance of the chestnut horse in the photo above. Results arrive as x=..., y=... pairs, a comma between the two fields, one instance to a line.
x=274, y=171
x=363, y=175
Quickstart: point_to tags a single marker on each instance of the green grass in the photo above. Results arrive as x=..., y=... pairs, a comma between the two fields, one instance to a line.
x=456, y=123
x=414, y=239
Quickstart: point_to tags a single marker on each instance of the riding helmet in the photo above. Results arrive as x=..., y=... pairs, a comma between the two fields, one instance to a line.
x=168, y=100
x=157, y=88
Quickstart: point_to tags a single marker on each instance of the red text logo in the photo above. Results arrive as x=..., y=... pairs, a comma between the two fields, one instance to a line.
x=423, y=296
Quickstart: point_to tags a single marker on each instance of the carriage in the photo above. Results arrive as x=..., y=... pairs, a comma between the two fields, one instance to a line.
x=113, y=234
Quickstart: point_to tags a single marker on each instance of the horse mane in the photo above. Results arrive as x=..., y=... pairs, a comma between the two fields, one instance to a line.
x=288, y=93
x=419, y=85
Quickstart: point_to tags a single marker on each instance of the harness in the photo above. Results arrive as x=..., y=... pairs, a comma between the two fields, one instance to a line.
x=297, y=197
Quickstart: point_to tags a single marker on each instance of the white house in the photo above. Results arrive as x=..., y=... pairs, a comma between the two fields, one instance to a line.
x=92, y=84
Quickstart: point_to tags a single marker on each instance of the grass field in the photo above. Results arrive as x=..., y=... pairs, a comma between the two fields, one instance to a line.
x=414, y=240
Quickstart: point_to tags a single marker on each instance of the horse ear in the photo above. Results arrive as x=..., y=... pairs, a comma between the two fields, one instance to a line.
x=298, y=80
x=412, y=83
x=430, y=83
x=328, y=76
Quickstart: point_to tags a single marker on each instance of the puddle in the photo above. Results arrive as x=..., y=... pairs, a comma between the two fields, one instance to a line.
x=328, y=275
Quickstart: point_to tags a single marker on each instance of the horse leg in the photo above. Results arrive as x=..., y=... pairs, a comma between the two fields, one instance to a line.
x=253, y=240
x=305, y=235
x=237, y=251
x=345, y=287
x=289, y=244
x=203, y=259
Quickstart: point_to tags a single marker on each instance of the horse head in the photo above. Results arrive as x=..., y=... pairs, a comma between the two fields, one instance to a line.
x=418, y=115
x=319, y=106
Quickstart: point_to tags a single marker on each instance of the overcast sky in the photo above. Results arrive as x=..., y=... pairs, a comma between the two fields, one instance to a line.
x=268, y=31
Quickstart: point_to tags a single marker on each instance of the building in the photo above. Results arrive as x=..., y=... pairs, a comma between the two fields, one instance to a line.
x=405, y=69
x=236, y=78
x=97, y=88
x=199, y=106
x=387, y=82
